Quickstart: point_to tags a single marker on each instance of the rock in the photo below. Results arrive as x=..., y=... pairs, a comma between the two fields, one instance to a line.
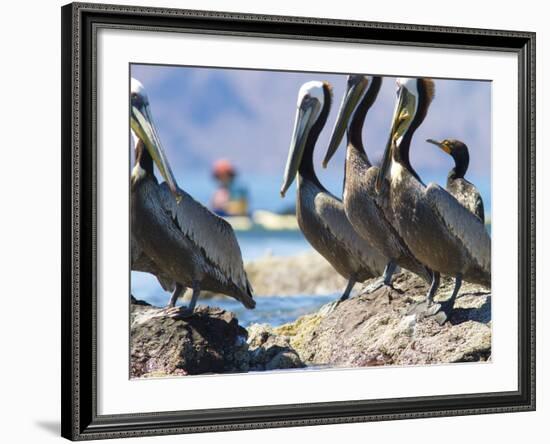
x=375, y=329
x=307, y=273
x=210, y=341
x=270, y=351
x=365, y=330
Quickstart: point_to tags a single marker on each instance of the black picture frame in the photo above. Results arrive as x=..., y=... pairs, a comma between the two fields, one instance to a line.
x=79, y=391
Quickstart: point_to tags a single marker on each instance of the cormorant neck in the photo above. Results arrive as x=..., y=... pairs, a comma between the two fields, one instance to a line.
x=462, y=160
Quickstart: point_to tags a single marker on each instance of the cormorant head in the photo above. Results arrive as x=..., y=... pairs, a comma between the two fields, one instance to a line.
x=312, y=101
x=458, y=151
x=144, y=130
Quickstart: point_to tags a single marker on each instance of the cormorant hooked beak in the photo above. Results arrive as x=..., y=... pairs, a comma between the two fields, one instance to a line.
x=141, y=122
x=357, y=85
x=403, y=115
x=442, y=145
x=306, y=116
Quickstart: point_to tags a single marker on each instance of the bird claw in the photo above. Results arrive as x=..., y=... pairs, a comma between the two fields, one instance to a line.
x=329, y=308
x=440, y=312
x=372, y=287
x=176, y=312
x=419, y=308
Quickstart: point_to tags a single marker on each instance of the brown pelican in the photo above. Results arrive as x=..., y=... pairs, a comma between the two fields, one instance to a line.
x=176, y=237
x=363, y=206
x=462, y=190
x=321, y=215
x=436, y=227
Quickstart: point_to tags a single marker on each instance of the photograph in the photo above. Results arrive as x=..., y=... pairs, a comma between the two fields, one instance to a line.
x=306, y=221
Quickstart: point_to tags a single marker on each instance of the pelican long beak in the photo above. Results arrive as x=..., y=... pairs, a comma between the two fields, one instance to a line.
x=401, y=120
x=354, y=93
x=141, y=122
x=441, y=145
x=302, y=126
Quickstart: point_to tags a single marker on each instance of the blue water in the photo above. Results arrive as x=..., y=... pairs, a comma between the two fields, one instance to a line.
x=257, y=243
x=273, y=310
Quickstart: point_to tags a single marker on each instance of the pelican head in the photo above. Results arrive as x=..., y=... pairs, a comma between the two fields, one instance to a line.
x=143, y=128
x=413, y=95
x=458, y=151
x=311, y=101
x=359, y=87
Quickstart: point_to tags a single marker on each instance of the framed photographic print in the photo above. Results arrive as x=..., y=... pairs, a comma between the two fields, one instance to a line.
x=278, y=221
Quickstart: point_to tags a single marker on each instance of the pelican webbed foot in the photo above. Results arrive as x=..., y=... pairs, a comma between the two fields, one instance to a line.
x=178, y=312
x=384, y=281
x=330, y=307
x=442, y=311
x=327, y=309
x=376, y=285
x=439, y=311
x=181, y=312
x=421, y=308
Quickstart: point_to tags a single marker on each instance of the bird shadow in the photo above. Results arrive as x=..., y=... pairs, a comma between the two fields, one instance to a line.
x=481, y=314
x=53, y=427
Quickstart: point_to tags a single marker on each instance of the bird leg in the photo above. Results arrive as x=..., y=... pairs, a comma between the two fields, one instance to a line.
x=442, y=311
x=388, y=273
x=175, y=295
x=385, y=280
x=330, y=307
x=422, y=307
x=348, y=289
x=433, y=288
x=195, y=296
x=185, y=312
x=182, y=312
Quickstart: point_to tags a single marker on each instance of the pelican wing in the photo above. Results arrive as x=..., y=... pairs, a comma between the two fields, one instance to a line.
x=141, y=262
x=212, y=235
x=462, y=224
x=332, y=214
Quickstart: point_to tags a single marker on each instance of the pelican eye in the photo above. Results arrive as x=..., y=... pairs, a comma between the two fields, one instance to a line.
x=137, y=100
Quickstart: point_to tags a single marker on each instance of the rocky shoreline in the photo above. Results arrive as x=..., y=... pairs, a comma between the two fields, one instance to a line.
x=366, y=330
x=307, y=273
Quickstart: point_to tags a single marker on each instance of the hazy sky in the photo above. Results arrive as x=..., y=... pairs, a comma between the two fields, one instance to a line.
x=247, y=116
